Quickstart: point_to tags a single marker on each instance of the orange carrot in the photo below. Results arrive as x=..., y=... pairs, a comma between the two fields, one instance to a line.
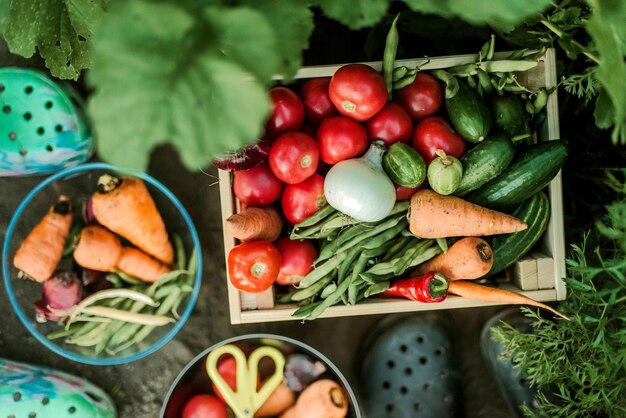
x=436, y=216
x=321, y=399
x=39, y=254
x=125, y=206
x=99, y=249
x=475, y=291
x=255, y=224
x=469, y=258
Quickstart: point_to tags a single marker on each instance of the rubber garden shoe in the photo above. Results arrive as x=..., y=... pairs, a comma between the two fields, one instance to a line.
x=409, y=369
x=28, y=391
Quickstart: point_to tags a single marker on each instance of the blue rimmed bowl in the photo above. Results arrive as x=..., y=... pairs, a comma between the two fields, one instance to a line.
x=80, y=182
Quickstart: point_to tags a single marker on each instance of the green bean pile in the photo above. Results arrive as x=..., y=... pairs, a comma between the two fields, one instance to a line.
x=356, y=259
x=113, y=334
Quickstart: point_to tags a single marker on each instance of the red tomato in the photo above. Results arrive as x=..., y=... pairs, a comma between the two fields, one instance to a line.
x=296, y=260
x=358, y=91
x=405, y=193
x=435, y=133
x=317, y=104
x=341, y=138
x=391, y=124
x=293, y=157
x=253, y=266
x=287, y=111
x=205, y=406
x=257, y=186
x=302, y=200
x=422, y=98
x=227, y=368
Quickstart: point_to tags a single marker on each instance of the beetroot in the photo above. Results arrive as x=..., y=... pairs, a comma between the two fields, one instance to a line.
x=90, y=217
x=62, y=291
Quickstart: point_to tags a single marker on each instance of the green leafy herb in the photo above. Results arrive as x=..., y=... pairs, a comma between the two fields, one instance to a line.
x=60, y=29
x=170, y=77
x=578, y=365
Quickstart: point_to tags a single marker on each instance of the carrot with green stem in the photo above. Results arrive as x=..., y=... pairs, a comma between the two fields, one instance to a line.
x=124, y=205
x=476, y=291
x=435, y=216
x=99, y=249
x=469, y=258
x=39, y=254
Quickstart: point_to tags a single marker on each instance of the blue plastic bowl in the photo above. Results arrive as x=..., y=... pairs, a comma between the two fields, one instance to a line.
x=80, y=182
x=193, y=379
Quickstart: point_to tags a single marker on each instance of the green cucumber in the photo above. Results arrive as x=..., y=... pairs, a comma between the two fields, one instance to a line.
x=404, y=165
x=484, y=162
x=509, y=248
x=510, y=117
x=531, y=170
x=469, y=114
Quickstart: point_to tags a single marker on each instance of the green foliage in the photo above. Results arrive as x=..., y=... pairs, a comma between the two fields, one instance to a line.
x=578, y=366
x=60, y=29
x=355, y=14
x=503, y=13
x=4, y=14
x=204, y=94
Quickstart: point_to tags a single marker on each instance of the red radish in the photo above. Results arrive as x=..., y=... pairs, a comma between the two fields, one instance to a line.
x=257, y=186
x=296, y=260
x=299, y=201
x=61, y=291
x=245, y=158
x=391, y=124
x=358, y=91
x=317, y=103
x=294, y=157
x=435, y=133
x=287, y=111
x=422, y=98
x=205, y=406
x=341, y=138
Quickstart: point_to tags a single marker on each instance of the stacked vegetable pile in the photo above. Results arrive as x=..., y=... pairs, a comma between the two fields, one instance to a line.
x=109, y=272
x=346, y=154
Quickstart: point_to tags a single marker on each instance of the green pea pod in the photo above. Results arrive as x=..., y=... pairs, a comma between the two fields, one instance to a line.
x=541, y=99
x=328, y=290
x=389, y=56
x=487, y=50
x=484, y=80
x=403, y=82
x=399, y=72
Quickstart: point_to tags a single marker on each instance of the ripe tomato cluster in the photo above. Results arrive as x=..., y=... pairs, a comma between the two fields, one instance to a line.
x=331, y=119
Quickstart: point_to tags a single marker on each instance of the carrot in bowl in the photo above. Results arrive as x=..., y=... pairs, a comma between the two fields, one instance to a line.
x=125, y=206
x=471, y=290
x=435, y=216
x=469, y=258
x=40, y=252
x=99, y=249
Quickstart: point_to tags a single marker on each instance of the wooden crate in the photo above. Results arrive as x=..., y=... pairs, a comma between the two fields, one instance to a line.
x=250, y=308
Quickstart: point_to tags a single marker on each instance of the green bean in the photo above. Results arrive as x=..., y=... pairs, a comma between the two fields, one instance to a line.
x=541, y=99
x=330, y=288
x=115, y=280
x=399, y=72
x=389, y=55
x=373, y=232
x=321, y=271
x=461, y=70
x=452, y=84
x=408, y=258
x=515, y=55
x=344, y=298
x=64, y=332
x=484, y=80
x=397, y=246
x=361, y=295
x=380, y=240
x=513, y=88
x=507, y=66
x=471, y=81
x=375, y=278
x=530, y=108
x=424, y=256
x=347, y=263
x=285, y=298
x=403, y=82
x=338, y=222
x=488, y=49
x=312, y=290
x=181, y=259
x=390, y=266
x=306, y=310
x=353, y=290
x=329, y=301
x=495, y=85
x=316, y=217
x=443, y=244
x=399, y=208
x=377, y=288
x=133, y=281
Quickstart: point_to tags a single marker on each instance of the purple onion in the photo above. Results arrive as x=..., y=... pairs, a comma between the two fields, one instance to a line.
x=245, y=158
x=62, y=291
x=300, y=370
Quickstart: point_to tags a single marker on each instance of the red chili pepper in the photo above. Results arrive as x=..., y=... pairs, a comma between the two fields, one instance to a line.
x=431, y=287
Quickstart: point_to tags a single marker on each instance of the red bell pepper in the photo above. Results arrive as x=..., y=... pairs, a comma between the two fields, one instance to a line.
x=431, y=287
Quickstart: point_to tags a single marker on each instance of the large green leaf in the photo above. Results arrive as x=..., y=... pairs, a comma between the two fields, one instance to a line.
x=502, y=13
x=163, y=75
x=60, y=29
x=355, y=14
x=4, y=14
x=293, y=22
x=606, y=27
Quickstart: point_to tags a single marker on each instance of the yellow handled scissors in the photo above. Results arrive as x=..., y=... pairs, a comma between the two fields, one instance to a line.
x=246, y=400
